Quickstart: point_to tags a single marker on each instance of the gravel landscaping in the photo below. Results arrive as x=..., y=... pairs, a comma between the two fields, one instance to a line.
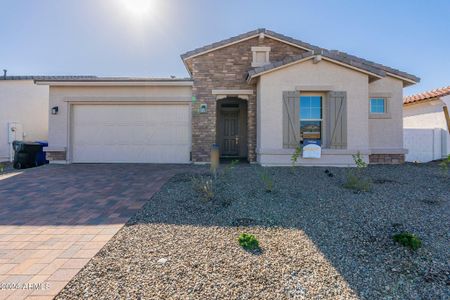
x=317, y=239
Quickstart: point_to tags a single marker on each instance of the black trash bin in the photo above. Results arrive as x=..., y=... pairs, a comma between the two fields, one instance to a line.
x=26, y=154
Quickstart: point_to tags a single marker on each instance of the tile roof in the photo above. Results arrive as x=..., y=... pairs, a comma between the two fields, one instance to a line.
x=91, y=78
x=440, y=92
x=221, y=43
x=337, y=56
x=43, y=77
x=112, y=79
x=341, y=56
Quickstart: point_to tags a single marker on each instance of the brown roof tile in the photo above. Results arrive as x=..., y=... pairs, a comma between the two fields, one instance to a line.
x=335, y=55
x=440, y=92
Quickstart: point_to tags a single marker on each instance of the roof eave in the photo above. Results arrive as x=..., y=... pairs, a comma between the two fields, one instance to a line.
x=186, y=66
x=187, y=55
x=420, y=101
x=406, y=81
x=252, y=75
x=114, y=83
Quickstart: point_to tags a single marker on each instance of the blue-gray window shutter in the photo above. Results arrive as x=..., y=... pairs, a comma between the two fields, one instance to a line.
x=291, y=119
x=337, y=120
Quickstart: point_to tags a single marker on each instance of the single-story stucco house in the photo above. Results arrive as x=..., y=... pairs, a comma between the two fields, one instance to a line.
x=427, y=125
x=257, y=95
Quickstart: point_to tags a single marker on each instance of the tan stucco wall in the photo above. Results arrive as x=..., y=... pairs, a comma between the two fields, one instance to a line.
x=337, y=78
x=24, y=102
x=386, y=134
x=63, y=96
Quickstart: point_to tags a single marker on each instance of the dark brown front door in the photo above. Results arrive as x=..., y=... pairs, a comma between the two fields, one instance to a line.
x=230, y=144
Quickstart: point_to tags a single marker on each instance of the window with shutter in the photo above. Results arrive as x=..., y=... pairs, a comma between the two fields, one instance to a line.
x=291, y=122
x=337, y=120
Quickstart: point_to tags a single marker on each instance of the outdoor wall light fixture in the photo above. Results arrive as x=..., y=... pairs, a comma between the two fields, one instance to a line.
x=55, y=110
x=203, y=108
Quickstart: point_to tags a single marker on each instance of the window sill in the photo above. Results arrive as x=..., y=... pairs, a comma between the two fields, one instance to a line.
x=380, y=116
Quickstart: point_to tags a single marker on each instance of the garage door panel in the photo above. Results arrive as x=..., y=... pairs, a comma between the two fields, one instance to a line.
x=133, y=154
x=131, y=133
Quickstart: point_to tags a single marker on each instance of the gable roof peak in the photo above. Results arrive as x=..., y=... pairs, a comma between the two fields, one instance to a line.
x=223, y=43
x=376, y=68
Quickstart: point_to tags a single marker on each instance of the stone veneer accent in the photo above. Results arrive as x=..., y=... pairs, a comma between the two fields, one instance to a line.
x=386, y=159
x=55, y=155
x=226, y=69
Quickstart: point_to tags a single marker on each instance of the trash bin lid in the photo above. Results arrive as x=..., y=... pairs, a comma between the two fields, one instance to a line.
x=43, y=143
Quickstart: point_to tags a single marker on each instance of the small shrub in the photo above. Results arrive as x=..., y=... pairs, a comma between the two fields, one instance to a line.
x=296, y=155
x=355, y=178
x=2, y=168
x=267, y=180
x=445, y=164
x=204, y=186
x=229, y=167
x=357, y=183
x=359, y=162
x=248, y=241
x=408, y=240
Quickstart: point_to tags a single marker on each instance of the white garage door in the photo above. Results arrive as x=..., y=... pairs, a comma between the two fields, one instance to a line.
x=131, y=133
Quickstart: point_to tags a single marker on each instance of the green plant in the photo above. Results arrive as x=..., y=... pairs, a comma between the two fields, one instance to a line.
x=355, y=178
x=248, y=241
x=267, y=180
x=204, y=186
x=296, y=155
x=445, y=164
x=359, y=161
x=408, y=240
x=357, y=183
x=2, y=168
x=229, y=167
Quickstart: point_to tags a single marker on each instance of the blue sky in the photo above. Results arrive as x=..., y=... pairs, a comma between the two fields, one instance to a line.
x=116, y=38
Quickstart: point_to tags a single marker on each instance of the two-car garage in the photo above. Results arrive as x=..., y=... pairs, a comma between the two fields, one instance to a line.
x=120, y=121
x=122, y=133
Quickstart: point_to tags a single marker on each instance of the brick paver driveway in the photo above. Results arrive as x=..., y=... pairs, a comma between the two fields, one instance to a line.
x=53, y=219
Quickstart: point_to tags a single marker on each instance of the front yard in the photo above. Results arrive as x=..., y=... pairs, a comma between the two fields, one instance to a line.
x=318, y=240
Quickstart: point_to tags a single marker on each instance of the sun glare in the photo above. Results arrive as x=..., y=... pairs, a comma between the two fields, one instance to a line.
x=138, y=7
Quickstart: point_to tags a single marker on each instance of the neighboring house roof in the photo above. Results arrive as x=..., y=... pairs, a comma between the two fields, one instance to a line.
x=342, y=57
x=91, y=78
x=103, y=79
x=426, y=96
x=114, y=81
x=42, y=77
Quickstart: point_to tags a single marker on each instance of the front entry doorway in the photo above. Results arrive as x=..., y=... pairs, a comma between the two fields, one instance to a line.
x=230, y=133
x=232, y=127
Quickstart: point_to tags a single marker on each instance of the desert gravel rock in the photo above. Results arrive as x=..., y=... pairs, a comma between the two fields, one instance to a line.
x=318, y=240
